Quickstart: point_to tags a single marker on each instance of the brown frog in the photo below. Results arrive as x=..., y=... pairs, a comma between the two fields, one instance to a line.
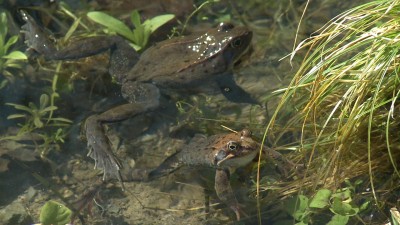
x=179, y=64
x=224, y=152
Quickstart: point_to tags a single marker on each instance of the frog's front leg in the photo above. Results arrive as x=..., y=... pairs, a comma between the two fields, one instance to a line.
x=100, y=149
x=224, y=190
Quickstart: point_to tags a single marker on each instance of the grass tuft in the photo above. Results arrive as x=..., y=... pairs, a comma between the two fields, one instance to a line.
x=343, y=100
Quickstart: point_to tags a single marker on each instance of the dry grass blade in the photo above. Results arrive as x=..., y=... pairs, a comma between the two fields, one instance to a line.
x=345, y=94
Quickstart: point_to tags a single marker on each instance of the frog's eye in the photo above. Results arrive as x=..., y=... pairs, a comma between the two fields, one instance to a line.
x=236, y=43
x=232, y=146
x=245, y=133
x=223, y=27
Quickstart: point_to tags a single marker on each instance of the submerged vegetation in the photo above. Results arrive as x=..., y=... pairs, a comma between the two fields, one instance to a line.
x=344, y=104
x=140, y=35
x=10, y=60
x=339, y=112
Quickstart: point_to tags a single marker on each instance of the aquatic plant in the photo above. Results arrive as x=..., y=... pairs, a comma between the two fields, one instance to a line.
x=343, y=100
x=140, y=35
x=40, y=122
x=55, y=213
x=10, y=60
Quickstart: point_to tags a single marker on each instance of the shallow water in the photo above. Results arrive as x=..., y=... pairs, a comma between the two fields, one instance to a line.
x=145, y=141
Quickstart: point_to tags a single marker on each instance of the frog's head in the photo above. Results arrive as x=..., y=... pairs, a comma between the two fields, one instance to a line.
x=237, y=40
x=225, y=44
x=239, y=150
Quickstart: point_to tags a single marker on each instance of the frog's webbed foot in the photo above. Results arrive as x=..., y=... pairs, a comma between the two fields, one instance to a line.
x=224, y=190
x=37, y=39
x=100, y=149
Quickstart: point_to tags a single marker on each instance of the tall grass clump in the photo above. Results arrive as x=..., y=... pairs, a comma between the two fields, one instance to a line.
x=342, y=105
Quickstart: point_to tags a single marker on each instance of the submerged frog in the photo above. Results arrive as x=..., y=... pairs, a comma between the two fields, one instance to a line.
x=224, y=152
x=179, y=64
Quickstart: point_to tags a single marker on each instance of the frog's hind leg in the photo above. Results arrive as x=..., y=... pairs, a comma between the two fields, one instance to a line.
x=100, y=148
x=37, y=39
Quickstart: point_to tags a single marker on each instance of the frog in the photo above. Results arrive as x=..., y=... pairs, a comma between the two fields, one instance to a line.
x=179, y=64
x=224, y=152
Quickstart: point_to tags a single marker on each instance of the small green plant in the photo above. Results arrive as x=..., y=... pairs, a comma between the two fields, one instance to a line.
x=340, y=203
x=8, y=59
x=39, y=121
x=55, y=213
x=138, y=36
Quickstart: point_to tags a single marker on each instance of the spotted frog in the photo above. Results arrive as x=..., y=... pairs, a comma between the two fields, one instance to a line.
x=178, y=64
x=224, y=152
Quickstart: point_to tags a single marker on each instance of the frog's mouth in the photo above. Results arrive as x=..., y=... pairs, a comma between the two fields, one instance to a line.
x=232, y=160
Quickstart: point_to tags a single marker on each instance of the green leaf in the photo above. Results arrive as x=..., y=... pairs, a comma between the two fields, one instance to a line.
x=16, y=116
x=71, y=30
x=20, y=107
x=135, y=46
x=141, y=36
x=47, y=109
x=3, y=83
x=297, y=207
x=135, y=18
x=44, y=101
x=38, y=123
x=156, y=22
x=61, y=120
x=3, y=27
x=10, y=42
x=343, y=194
x=17, y=55
x=321, y=199
x=343, y=208
x=338, y=220
x=55, y=213
x=365, y=205
x=10, y=63
x=138, y=35
x=111, y=23
x=301, y=223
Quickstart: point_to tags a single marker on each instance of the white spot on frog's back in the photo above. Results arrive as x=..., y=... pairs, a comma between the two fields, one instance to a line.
x=208, y=45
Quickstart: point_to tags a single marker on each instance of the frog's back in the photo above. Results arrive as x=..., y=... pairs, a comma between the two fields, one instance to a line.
x=182, y=61
x=172, y=65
